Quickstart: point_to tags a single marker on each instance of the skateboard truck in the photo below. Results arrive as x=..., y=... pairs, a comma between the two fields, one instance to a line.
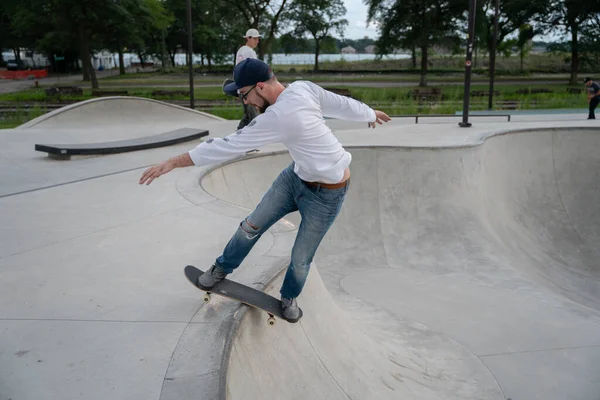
x=271, y=320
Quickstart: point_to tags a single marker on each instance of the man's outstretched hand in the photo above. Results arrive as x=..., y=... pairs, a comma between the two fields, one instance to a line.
x=381, y=117
x=155, y=171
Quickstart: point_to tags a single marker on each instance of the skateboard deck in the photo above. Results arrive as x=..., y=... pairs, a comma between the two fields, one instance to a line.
x=242, y=293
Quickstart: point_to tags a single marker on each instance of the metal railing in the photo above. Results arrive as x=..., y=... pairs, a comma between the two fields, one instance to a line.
x=417, y=116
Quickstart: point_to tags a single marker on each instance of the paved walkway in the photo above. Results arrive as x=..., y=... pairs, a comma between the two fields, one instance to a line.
x=10, y=85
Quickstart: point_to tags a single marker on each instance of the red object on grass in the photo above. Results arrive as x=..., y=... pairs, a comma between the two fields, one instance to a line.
x=24, y=74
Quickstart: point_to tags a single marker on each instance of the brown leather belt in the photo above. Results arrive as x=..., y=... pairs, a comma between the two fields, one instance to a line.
x=328, y=185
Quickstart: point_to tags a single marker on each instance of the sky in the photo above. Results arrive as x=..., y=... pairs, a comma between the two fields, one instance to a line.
x=357, y=16
x=357, y=29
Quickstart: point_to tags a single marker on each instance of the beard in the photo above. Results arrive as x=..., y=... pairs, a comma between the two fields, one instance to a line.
x=263, y=108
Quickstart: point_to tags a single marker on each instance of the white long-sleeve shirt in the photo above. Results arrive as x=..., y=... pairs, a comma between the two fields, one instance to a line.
x=297, y=121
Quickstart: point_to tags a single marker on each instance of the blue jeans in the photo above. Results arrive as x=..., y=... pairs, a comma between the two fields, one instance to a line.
x=593, y=104
x=318, y=208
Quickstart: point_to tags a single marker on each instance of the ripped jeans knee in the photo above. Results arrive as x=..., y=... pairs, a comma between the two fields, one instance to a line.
x=250, y=231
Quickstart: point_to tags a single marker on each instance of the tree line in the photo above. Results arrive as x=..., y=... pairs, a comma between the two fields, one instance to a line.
x=420, y=25
x=72, y=30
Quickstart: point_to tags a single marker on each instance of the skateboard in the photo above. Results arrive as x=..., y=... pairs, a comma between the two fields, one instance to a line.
x=242, y=293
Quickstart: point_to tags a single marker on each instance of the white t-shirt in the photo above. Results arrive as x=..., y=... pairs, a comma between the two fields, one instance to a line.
x=295, y=120
x=243, y=53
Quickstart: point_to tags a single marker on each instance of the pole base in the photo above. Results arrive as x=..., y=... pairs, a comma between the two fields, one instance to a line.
x=464, y=124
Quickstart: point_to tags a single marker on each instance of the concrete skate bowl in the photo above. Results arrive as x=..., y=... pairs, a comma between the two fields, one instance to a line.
x=117, y=110
x=450, y=273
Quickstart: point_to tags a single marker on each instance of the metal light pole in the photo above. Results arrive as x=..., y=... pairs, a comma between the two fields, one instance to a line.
x=493, y=56
x=190, y=52
x=470, y=36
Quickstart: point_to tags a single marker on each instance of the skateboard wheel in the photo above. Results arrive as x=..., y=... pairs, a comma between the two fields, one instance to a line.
x=271, y=321
x=206, y=297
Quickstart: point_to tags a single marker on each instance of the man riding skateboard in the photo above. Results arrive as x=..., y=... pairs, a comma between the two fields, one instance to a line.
x=315, y=184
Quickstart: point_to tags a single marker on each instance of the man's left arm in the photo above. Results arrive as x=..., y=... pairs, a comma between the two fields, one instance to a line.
x=342, y=107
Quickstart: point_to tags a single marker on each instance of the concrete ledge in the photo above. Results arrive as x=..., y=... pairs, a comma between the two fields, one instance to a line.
x=65, y=151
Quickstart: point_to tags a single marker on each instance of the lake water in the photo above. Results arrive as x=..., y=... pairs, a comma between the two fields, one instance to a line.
x=110, y=60
x=309, y=59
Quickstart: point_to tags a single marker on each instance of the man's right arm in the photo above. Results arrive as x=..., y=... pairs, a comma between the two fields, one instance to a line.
x=156, y=171
x=264, y=129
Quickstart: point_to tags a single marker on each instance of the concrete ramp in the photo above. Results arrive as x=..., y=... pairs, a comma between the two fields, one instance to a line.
x=117, y=110
x=493, y=248
x=328, y=356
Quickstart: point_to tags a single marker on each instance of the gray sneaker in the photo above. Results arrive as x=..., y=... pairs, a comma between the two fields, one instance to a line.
x=291, y=311
x=210, y=278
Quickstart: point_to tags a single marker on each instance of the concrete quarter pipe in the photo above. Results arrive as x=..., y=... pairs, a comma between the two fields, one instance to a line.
x=457, y=273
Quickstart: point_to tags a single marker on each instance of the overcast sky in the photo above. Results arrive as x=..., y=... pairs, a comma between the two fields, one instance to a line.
x=357, y=29
x=357, y=16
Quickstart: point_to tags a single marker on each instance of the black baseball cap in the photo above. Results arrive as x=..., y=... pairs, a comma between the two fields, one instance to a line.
x=586, y=80
x=247, y=73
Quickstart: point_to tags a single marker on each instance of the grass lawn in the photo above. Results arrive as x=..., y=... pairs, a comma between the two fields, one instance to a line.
x=158, y=80
x=398, y=100
x=201, y=94
x=20, y=117
x=394, y=101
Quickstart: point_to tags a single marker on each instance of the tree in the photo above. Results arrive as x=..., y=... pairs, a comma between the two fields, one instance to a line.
x=289, y=43
x=511, y=16
x=319, y=18
x=217, y=32
x=571, y=16
x=147, y=37
x=8, y=39
x=526, y=34
x=122, y=31
x=216, y=29
x=176, y=35
x=140, y=28
x=87, y=22
x=416, y=24
x=264, y=15
x=64, y=25
x=590, y=44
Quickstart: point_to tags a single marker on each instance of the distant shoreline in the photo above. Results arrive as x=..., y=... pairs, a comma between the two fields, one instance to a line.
x=110, y=60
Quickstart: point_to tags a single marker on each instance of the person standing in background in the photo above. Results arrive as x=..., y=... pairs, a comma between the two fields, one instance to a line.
x=247, y=51
x=593, y=90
